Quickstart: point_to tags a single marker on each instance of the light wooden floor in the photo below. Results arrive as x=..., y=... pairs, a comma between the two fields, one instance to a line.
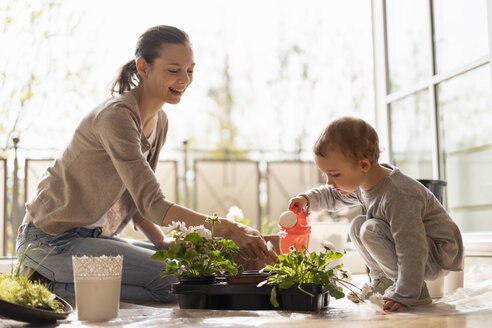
x=474, y=309
x=341, y=315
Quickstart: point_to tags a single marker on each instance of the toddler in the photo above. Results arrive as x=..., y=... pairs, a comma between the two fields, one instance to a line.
x=405, y=236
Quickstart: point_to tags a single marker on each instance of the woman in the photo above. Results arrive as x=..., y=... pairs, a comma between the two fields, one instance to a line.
x=105, y=178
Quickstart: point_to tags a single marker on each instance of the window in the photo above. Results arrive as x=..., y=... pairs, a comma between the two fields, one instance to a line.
x=408, y=42
x=410, y=127
x=437, y=98
x=465, y=117
x=460, y=32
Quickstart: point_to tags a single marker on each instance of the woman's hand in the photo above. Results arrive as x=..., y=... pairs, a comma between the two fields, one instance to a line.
x=296, y=204
x=251, y=243
x=392, y=306
x=168, y=241
x=154, y=234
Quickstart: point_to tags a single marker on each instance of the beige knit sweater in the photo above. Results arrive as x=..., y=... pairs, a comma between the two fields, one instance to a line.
x=103, y=161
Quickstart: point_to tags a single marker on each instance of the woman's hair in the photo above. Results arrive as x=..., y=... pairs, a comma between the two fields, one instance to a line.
x=353, y=137
x=148, y=46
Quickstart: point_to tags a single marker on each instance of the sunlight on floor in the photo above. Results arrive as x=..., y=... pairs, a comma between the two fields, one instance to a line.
x=469, y=306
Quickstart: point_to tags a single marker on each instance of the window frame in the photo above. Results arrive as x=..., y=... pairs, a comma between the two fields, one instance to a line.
x=384, y=97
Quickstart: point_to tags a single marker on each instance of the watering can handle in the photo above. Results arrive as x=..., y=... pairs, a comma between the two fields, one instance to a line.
x=301, y=217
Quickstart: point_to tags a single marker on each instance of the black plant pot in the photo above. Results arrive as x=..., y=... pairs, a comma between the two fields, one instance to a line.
x=196, y=280
x=293, y=299
x=224, y=296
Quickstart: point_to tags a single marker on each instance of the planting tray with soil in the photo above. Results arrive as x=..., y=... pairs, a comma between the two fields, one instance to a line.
x=246, y=296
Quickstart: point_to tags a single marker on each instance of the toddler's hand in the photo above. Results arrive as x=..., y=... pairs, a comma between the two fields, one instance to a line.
x=296, y=204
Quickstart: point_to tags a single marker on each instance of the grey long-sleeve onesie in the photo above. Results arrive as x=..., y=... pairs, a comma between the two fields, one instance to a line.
x=421, y=227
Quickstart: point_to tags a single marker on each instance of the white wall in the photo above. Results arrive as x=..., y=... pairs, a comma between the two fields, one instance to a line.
x=489, y=11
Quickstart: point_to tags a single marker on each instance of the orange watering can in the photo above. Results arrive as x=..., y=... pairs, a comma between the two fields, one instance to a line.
x=297, y=229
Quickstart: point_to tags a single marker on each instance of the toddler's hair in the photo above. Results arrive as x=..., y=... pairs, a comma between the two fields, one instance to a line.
x=353, y=137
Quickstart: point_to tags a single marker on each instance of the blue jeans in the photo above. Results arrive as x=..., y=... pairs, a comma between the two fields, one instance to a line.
x=140, y=280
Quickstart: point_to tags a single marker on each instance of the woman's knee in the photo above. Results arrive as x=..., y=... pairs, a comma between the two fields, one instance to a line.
x=156, y=290
x=162, y=290
x=147, y=284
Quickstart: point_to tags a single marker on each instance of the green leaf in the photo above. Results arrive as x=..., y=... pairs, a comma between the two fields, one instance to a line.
x=273, y=297
x=160, y=255
x=194, y=238
x=172, y=264
x=335, y=291
x=191, y=254
x=304, y=291
x=215, y=255
x=304, y=267
x=286, y=284
x=200, y=256
x=262, y=283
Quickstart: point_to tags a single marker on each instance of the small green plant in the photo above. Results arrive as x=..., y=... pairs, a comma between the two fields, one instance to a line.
x=18, y=289
x=298, y=268
x=197, y=252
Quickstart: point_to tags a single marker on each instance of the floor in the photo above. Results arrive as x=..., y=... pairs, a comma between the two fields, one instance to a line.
x=470, y=306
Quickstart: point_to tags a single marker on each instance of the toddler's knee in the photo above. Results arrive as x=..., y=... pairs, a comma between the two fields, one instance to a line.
x=355, y=225
x=373, y=229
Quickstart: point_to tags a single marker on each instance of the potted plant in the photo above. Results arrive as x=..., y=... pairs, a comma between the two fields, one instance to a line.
x=304, y=279
x=196, y=255
x=24, y=299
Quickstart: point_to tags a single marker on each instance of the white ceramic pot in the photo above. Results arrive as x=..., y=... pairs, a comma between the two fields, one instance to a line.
x=97, y=287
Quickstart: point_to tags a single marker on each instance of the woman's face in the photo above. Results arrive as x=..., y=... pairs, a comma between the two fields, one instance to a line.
x=171, y=73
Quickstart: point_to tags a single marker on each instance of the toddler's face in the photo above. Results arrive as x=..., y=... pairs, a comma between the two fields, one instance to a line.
x=342, y=173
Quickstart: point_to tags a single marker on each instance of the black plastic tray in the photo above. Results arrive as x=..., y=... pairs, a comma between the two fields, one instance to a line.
x=223, y=296
x=34, y=315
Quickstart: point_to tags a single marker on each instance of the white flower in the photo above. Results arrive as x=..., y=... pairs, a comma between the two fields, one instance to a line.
x=377, y=299
x=282, y=233
x=201, y=231
x=178, y=226
x=235, y=213
x=365, y=292
x=328, y=245
x=270, y=246
x=344, y=275
x=177, y=229
x=169, y=240
x=181, y=269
